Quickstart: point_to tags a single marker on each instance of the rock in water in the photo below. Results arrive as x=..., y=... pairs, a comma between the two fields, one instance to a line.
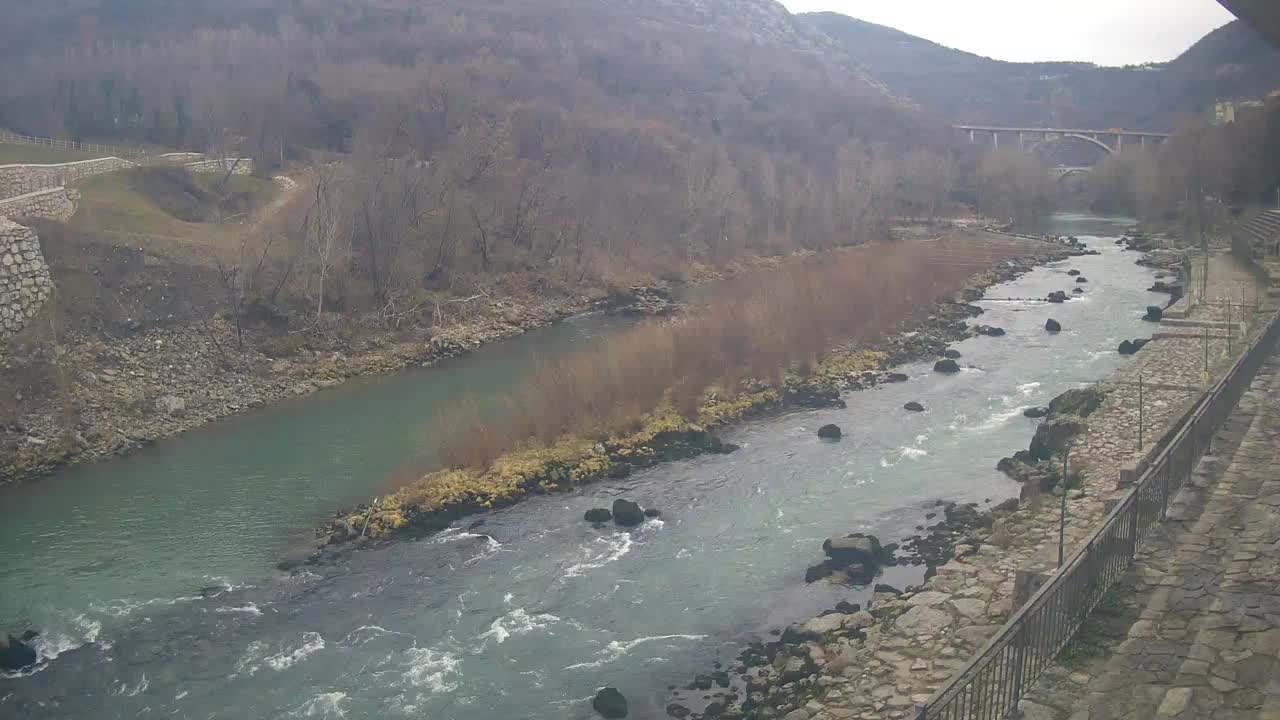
x=913, y=406
x=1154, y=313
x=627, y=513
x=1035, y=412
x=946, y=366
x=1126, y=348
x=1052, y=325
x=951, y=354
x=857, y=548
x=1057, y=296
x=990, y=331
x=610, y=703
x=1073, y=272
x=595, y=515
x=16, y=654
x=1082, y=279
x=830, y=432
x=652, y=513
x=895, y=377
x=1077, y=291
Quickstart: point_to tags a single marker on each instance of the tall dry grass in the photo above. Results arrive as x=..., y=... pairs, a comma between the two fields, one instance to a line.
x=754, y=328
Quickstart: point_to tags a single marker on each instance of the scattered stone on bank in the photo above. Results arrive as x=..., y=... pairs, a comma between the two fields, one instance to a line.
x=1130, y=347
x=1054, y=434
x=989, y=331
x=1154, y=313
x=1052, y=325
x=16, y=654
x=610, y=703
x=913, y=406
x=1036, y=412
x=1078, y=401
x=641, y=301
x=951, y=354
x=1073, y=271
x=597, y=515
x=830, y=432
x=946, y=365
x=627, y=513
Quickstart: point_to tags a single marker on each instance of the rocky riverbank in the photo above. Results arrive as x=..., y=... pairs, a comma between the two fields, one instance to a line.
x=131, y=390
x=440, y=498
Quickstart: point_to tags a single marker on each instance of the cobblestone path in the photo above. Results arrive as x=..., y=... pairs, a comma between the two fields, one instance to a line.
x=1200, y=638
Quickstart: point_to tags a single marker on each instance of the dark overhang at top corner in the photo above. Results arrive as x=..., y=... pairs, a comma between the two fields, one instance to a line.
x=1261, y=15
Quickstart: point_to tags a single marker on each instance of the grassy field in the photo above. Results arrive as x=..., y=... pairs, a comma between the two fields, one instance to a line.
x=39, y=154
x=113, y=205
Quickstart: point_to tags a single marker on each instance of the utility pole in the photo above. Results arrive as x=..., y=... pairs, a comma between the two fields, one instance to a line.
x=1062, y=518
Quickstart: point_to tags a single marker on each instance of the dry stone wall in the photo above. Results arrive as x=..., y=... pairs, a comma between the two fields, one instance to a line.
x=238, y=166
x=55, y=203
x=25, y=284
x=22, y=179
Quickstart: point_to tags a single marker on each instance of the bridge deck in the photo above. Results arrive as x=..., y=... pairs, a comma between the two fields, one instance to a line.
x=1127, y=133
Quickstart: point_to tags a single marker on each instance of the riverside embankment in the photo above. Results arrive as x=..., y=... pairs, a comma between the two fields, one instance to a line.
x=529, y=619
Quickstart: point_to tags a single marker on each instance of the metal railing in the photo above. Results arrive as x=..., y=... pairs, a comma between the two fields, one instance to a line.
x=118, y=150
x=991, y=684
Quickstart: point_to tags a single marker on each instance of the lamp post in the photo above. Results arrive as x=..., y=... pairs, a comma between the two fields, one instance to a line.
x=1062, y=518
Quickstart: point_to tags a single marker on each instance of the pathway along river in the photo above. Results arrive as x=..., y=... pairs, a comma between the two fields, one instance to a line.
x=107, y=560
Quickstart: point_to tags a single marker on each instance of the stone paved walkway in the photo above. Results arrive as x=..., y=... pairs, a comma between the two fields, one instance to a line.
x=1204, y=637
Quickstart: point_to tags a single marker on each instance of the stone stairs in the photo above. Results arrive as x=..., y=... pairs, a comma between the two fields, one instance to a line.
x=1263, y=232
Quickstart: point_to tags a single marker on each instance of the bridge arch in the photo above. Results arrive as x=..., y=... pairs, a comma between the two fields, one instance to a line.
x=1074, y=136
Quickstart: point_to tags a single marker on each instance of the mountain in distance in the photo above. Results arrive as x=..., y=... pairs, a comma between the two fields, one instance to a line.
x=1230, y=63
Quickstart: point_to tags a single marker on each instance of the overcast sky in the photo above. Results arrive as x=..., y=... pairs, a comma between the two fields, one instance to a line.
x=1107, y=32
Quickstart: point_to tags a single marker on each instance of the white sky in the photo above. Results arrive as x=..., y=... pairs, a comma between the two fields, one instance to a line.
x=1106, y=32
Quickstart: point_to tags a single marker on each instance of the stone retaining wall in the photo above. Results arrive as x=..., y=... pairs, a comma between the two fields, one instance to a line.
x=55, y=203
x=25, y=284
x=238, y=166
x=22, y=179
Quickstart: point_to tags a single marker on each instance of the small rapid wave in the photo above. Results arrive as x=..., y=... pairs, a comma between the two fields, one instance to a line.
x=601, y=552
x=255, y=655
x=247, y=609
x=617, y=649
x=516, y=622
x=324, y=705
x=432, y=669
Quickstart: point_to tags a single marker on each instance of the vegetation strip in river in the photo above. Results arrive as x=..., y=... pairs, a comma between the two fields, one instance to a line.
x=838, y=302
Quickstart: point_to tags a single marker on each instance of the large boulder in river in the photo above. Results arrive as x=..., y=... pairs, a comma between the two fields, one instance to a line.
x=1082, y=279
x=610, y=703
x=1077, y=401
x=1073, y=272
x=597, y=515
x=1057, y=296
x=627, y=513
x=1129, y=347
x=857, y=548
x=1053, y=436
x=16, y=654
x=1052, y=325
x=913, y=406
x=1154, y=313
x=946, y=365
x=829, y=432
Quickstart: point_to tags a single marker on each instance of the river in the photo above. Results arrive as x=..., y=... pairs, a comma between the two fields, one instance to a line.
x=108, y=560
